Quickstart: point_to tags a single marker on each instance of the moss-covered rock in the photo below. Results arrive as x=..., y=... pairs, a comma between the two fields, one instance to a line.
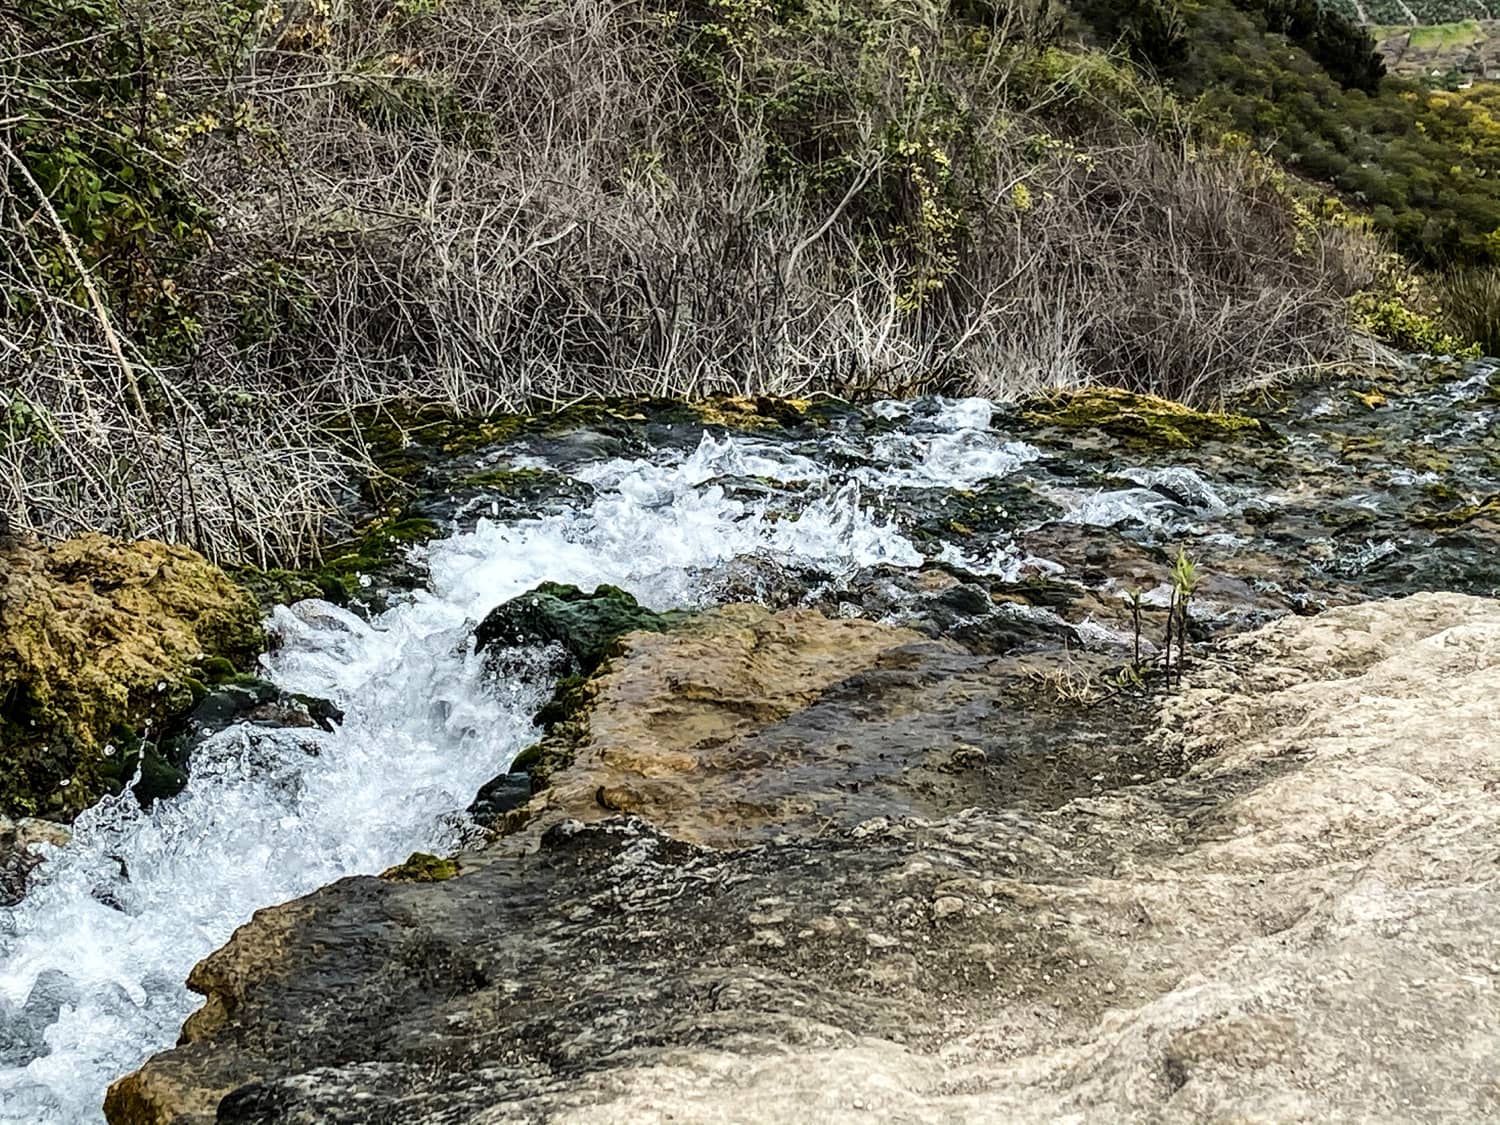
x=100, y=642
x=586, y=626
x=1143, y=421
x=422, y=868
x=1454, y=518
x=283, y=587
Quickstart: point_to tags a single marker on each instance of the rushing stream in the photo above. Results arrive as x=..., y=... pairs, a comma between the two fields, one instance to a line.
x=93, y=960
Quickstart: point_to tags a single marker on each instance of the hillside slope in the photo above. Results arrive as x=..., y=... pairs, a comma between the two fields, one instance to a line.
x=225, y=222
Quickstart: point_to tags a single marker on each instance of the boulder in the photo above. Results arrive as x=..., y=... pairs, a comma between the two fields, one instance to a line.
x=101, y=641
x=583, y=626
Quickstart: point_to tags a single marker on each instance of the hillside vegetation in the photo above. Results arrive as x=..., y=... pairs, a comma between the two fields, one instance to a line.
x=227, y=223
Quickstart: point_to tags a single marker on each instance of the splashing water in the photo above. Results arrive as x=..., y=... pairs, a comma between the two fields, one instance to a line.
x=93, y=960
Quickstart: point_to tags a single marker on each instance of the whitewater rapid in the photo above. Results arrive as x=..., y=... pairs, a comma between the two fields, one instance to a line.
x=93, y=961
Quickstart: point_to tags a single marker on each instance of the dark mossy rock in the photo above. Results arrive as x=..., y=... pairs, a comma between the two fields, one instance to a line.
x=585, y=628
x=500, y=795
x=979, y=518
x=278, y=586
x=1140, y=421
x=1443, y=522
x=159, y=778
x=360, y=571
x=165, y=762
x=405, y=439
x=584, y=625
x=459, y=499
x=422, y=868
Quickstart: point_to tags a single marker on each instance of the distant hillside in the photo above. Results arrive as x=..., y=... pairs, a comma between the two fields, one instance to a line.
x=1410, y=12
x=1309, y=86
x=1470, y=48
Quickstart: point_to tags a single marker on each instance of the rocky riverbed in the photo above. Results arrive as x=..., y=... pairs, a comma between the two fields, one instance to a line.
x=1286, y=916
x=887, y=812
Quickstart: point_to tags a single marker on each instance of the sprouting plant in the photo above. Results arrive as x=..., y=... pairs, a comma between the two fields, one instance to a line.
x=1135, y=619
x=1184, y=579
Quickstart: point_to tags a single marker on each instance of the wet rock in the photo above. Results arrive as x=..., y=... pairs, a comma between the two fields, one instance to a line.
x=260, y=703
x=100, y=639
x=760, y=579
x=422, y=868
x=583, y=626
x=162, y=766
x=1290, y=915
x=1140, y=420
x=21, y=852
x=22, y=1030
x=500, y=795
x=703, y=726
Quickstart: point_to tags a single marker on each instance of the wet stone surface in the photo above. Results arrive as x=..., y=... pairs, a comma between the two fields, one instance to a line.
x=1371, y=485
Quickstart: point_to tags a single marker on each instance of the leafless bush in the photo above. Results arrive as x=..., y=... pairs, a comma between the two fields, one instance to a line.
x=500, y=205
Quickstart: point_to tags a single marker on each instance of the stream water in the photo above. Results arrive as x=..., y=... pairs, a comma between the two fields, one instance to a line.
x=93, y=960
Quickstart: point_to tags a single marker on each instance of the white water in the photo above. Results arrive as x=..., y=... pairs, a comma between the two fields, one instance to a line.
x=92, y=962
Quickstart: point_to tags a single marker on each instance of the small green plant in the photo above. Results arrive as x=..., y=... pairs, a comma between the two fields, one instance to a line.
x=1184, y=579
x=1135, y=619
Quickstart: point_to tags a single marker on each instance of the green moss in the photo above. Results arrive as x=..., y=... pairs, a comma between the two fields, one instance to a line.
x=507, y=482
x=278, y=586
x=566, y=719
x=761, y=412
x=528, y=760
x=1142, y=421
x=586, y=625
x=1454, y=518
x=1344, y=522
x=1443, y=493
x=103, y=639
x=422, y=868
x=401, y=437
x=1425, y=458
x=377, y=544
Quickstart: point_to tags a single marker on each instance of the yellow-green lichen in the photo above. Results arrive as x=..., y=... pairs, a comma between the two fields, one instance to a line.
x=421, y=867
x=1454, y=518
x=1139, y=420
x=100, y=639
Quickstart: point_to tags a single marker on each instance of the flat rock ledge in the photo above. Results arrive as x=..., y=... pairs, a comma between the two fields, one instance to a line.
x=1287, y=912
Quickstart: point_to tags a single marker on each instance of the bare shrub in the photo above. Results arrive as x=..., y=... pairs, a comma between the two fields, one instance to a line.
x=501, y=205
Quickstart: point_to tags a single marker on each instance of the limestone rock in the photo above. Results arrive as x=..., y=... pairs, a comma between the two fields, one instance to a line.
x=1290, y=917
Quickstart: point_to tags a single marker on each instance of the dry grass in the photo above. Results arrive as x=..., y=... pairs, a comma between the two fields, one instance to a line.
x=1470, y=300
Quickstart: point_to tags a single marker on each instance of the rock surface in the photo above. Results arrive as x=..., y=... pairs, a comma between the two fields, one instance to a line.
x=1285, y=912
x=21, y=852
x=100, y=639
